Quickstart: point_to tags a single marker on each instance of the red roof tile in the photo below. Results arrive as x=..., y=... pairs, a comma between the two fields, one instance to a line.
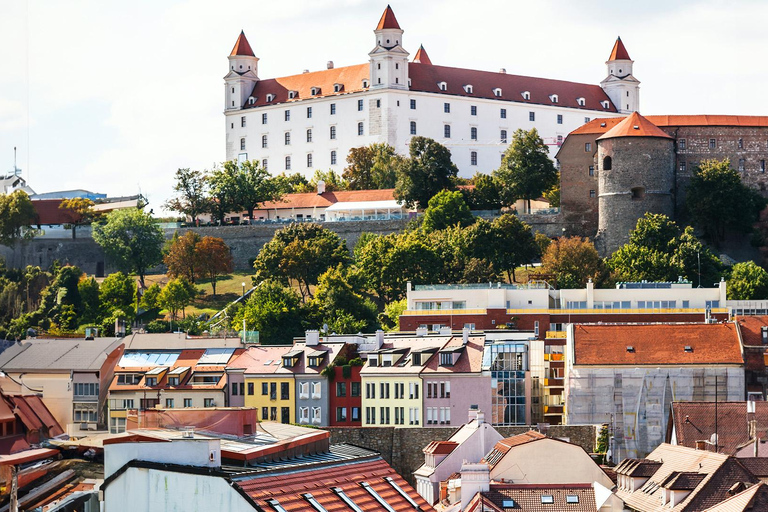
x=527, y=498
x=388, y=20
x=288, y=488
x=657, y=344
x=602, y=125
x=326, y=199
x=635, y=125
x=695, y=421
x=619, y=52
x=440, y=447
x=470, y=360
x=47, y=211
x=752, y=329
x=502, y=447
x=421, y=56
x=242, y=47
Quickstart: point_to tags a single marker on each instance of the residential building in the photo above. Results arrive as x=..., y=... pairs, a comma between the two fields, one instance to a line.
x=269, y=381
x=346, y=396
x=536, y=307
x=751, y=499
x=754, y=335
x=444, y=458
x=149, y=379
x=72, y=377
x=313, y=390
x=24, y=421
x=453, y=381
x=681, y=479
x=311, y=120
x=533, y=498
x=694, y=138
x=627, y=375
x=282, y=467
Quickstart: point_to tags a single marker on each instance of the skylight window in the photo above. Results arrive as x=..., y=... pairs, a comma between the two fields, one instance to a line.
x=688, y=348
x=571, y=498
x=630, y=349
x=379, y=499
x=508, y=503
x=267, y=362
x=351, y=504
x=547, y=499
x=401, y=492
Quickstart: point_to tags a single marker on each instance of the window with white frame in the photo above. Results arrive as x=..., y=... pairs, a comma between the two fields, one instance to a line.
x=503, y=136
x=242, y=144
x=309, y=135
x=264, y=164
x=468, y=89
x=333, y=157
x=309, y=112
x=316, y=389
x=526, y=95
x=303, y=389
x=333, y=132
x=473, y=158
x=443, y=86
x=264, y=118
x=309, y=159
x=473, y=133
x=287, y=138
x=316, y=415
x=303, y=414
x=287, y=115
x=413, y=127
x=360, y=129
x=287, y=163
x=497, y=92
x=581, y=102
x=447, y=131
x=264, y=141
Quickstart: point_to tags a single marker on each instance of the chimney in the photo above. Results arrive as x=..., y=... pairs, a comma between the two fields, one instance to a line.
x=473, y=410
x=465, y=336
x=503, y=71
x=701, y=445
x=329, y=65
x=379, y=338
x=320, y=187
x=475, y=478
x=445, y=331
x=312, y=338
x=480, y=417
x=305, y=72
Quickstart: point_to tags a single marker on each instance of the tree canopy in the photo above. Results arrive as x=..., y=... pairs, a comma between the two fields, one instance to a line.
x=83, y=207
x=244, y=186
x=213, y=259
x=526, y=170
x=177, y=295
x=16, y=213
x=132, y=239
x=191, y=199
x=372, y=167
x=428, y=171
x=748, y=281
x=446, y=208
x=573, y=261
x=273, y=310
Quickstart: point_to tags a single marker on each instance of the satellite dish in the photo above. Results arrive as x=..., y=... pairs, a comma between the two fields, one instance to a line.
x=713, y=439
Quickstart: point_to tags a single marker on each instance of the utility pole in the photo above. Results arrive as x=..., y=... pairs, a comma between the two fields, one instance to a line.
x=14, y=504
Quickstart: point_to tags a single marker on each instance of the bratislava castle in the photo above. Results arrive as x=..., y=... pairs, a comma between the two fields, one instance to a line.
x=310, y=121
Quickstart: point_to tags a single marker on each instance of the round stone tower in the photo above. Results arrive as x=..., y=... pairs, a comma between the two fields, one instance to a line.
x=636, y=174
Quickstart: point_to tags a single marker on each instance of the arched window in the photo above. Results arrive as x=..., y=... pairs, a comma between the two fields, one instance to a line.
x=607, y=163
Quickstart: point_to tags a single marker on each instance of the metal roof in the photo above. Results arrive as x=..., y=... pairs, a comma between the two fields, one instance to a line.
x=52, y=354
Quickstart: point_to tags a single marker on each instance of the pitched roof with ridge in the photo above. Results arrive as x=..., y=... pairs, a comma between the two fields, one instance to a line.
x=695, y=421
x=753, y=499
x=388, y=20
x=752, y=329
x=603, y=125
x=528, y=498
x=502, y=447
x=242, y=47
x=619, y=52
x=638, y=344
x=635, y=125
x=52, y=354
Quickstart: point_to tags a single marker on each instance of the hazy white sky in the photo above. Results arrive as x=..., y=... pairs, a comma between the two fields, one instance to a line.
x=115, y=96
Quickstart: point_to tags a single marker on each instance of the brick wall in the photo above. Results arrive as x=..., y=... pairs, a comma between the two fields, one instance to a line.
x=578, y=208
x=402, y=447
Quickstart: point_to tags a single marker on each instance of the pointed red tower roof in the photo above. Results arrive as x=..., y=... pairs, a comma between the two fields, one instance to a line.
x=242, y=47
x=619, y=52
x=388, y=20
x=635, y=125
x=421, y=56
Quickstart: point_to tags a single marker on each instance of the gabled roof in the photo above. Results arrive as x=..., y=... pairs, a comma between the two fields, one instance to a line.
x=527, y=498
x=421, y=56
x=34, y=414
x=695, y=421
x=262, y=359
x=752, y=499
x=502, y=447
x=440, y=447
x=752, y=329
x=609, y=345
x=635, y=125
x=326, y=199
x=602, y=125
x=52, y=354
x=242, y=47
x=470, y=360
x=388, y=20
x=619, y=52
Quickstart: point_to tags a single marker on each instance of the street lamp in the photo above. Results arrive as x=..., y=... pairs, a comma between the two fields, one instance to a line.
x=243, y=283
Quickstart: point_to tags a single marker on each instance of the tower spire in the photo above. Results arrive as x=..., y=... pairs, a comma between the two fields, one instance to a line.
x=421, y=56
x=619, y=52
x=388, y=20
x=242, y=47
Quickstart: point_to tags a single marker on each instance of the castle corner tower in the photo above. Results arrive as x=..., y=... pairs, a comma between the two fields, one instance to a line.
x=242, y=75
x=620, y=85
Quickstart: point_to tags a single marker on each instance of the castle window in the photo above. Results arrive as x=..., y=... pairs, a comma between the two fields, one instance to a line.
x=591, y=170
x=443, y=86
x=607, y=163
x=287, y=163
x=473, y=133
x=242, y=121
x=503, y=113
x=264, y=118
x=309, y=112
x=263, y=141
x=681, y=144
x=606, y=104
x=232, y=125
x=591, y=193
x=287, y=115
x=333, y=132
x=741, y=143
x=472, y=110
x=397, y=80
x=447, y=131
x=242, y=144
x=559, y=140
x=741, y=165
x=338, y=87
x=309, y=159
x=762, y=165
x=712, y=143
x=468, y=89
x=333, y=109
x=503, y=136
x=378, y=66
x=309, y=135
x=365, y=84
x=497, y=92
x=526, y=95
x=360, y=129
x=378, y=103
x=531, y=116
x=447, y=108
x=682, y=166
x=233, y=90
x=554, y=98
x=413, y=104
x=292, y=94
x=638, y=193
x=413, y=127
x=333, y=158
x=359, y=105
x=473, y=158
x=586, y=120
x=315, y=91
x=270, y=97
x=264, y=164
x=581, y=101
x=559, y=118
x=287, y=138
x=587, y=146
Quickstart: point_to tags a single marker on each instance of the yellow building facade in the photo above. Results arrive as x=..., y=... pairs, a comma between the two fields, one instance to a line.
x=274, y=396
x=391, y=400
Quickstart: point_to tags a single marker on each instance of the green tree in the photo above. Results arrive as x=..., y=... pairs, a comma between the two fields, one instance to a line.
x=88, y=288
x=718, y=201
x=300, y=252
x=333, y=181
x=83, y=210
x=340, y=306
x=150, y=299
x=16, y=213
x=118, y=292
x=572, y=261
x=372, y=167
x=177, y=295
x=427, y=171
x=526, y=171
x=190, y=199
x=446, y=208
x=484, y=194
x=273, y=310
x=513, y=245
x=748, y=281
x=132, y=239
x=392, y=312
x=252, y=185
x=553, y=194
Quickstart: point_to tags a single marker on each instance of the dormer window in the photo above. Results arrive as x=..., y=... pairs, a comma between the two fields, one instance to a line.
x=270, y=97
x=526, y=95
x=605, y=104
x=581, y=101
x=251, y=100
x=292, y=94
x=468, y=89
x=339, y=87
x=443, y=86
x=365, y=84
x=553, y=98
x=314, y=91
x=497, y=92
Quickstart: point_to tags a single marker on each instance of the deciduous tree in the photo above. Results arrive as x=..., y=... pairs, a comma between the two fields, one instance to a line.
x=177, y=295
x=445, y=209
x=118, y=292
x=83, y=210
x=526, y=171
x=427, y=171
x=572, y=261
x=213, y=259
x=273, y=310
x=372, y=167
x=748, y=282
x=16, y=213
x=190, y=199
x=182, y=259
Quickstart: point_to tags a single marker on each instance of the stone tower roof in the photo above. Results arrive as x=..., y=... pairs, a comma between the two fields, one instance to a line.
x=635, y=125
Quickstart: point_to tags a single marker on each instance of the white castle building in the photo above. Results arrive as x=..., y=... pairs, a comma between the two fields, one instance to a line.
x=310, y=121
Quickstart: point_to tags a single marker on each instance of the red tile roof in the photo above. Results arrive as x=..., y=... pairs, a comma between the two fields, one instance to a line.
x=751, y=329
x=657, y=344
x=502, y=447
x=619, y=52
x=34, y=414
x=440, y=447
x=695, y=421
x=470, y=360
x=388, y=20
x=527, y=498
x=288, y=488
x=326, y=199
x=242, y=47
x=754, y=499
x=602, y=125
x=421, y=56
x=635, y=125
x=47, y=211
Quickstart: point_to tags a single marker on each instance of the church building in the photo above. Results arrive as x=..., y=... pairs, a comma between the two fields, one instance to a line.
x=311, y=120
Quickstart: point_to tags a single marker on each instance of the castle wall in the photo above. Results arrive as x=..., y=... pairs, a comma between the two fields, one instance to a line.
x=578, y=188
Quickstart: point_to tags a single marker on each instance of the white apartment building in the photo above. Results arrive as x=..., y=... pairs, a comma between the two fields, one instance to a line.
x=310, y=121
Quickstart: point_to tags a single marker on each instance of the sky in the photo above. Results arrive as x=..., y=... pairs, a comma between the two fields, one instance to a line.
x=113, y=97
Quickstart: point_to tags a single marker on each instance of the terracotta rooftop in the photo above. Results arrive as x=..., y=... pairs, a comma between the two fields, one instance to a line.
x=261, y=359
x=502, y=447
x=242, y=47
x=695, y=421
x=619, y=52
x=388, y=20
x=752, y=330
x=602, y=125
x=470, y=360
x=528, y=498
x=635, y=125
x=47, y=212
x=326, y=199
x=752, y=499
x=637, y=344
x=421, y=56
x=440, y=447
